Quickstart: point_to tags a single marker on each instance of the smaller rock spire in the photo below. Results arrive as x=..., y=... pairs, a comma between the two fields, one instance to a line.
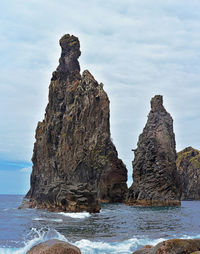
x=155, y=176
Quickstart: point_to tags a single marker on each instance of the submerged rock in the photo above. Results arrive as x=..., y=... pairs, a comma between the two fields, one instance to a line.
x=54, y=247
x=188, y=165
x=155, y=177
x=173, y=246
x=75, y=164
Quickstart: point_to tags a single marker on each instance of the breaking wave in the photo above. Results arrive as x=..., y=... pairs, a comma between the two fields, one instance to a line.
x=39, y=236
x=82, y=215
x=47, y=219
x=86, y=246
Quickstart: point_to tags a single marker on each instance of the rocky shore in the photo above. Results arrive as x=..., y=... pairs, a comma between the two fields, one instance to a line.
x=76, y=165
x=172, y=246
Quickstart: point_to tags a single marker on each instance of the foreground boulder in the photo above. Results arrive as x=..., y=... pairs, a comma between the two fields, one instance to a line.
x=188, y=165
x=75, y=164
x=155, y=177
x=173, y=246
x=54, y=247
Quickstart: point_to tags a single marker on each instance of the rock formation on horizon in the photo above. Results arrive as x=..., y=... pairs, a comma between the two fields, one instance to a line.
x=188, y=165
x=75, y=164
x=155, y=177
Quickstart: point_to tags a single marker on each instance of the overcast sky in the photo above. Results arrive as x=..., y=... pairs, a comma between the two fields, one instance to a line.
x=137, y=48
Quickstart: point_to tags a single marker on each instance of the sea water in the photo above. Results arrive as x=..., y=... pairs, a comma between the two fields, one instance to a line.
x=116, y=229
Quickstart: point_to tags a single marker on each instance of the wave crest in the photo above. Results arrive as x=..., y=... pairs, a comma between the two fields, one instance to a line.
x=82, y=215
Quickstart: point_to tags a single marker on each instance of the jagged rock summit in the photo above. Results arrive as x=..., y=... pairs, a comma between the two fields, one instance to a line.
x=155, y=177
x=75, y=164
x=188, y=165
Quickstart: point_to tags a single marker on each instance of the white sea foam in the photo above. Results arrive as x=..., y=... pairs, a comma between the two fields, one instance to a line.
x=87, y=246
x=190, y=237
x=40, y=236
x=128, y=246
x=82, y=215
x=8, y=209
x=48, y=219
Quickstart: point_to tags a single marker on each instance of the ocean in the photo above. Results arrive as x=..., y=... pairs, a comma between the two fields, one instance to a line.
x=116, y=229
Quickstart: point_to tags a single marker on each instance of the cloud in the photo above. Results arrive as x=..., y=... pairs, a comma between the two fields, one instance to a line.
x=136, y=48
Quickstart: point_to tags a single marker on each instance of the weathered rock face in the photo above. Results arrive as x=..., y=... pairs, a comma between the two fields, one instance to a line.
x=75, y=164
x=54, y=247
x=188, y=165
x=173, y=246
x=155, y=177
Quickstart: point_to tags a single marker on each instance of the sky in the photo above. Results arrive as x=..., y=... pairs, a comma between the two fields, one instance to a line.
x=136, y=48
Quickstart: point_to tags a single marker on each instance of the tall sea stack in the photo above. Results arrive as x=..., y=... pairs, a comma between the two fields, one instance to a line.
x=75, y=164
x=155, y=177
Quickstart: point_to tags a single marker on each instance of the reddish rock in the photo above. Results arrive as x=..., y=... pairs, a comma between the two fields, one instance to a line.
x=173, y=246
x=177, y=246
x=155, y=177
x=54, y=247
x=75, y=164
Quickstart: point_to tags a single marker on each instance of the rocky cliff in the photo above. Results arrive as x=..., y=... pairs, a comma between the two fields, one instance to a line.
x=155, y=177
x=188, y=165
x=75, y=164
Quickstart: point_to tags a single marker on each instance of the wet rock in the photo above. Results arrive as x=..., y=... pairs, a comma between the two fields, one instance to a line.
x=173, y=246
x=177, y=246
x=75, y=164
x=155, y=177
x=188, y=165
x=54, y=247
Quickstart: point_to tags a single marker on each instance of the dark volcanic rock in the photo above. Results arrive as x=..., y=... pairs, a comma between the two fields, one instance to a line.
x=188, y=165
x=75, y=164
x=54, y=247
x=155, y=177
x=173, y=246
